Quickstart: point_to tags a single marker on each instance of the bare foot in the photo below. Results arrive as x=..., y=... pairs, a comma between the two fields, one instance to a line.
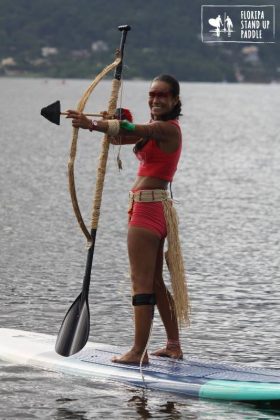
x=174, y=352
x=132, y=357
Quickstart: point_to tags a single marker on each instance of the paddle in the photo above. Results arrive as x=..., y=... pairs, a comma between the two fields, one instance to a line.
x=74, y=331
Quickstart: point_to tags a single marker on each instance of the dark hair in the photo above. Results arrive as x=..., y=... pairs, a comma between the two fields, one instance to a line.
x=174, y=113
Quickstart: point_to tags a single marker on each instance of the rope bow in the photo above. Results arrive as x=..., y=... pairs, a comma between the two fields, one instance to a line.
x=112, y=105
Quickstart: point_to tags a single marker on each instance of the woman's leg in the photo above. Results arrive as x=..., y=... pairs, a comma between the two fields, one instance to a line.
x=165, y=306
x=143, y=248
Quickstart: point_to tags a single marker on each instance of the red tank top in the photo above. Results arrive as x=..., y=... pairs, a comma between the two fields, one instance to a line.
x=157, y=163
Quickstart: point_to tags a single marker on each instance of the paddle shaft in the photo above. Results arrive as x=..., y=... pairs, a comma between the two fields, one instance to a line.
x=86, y=281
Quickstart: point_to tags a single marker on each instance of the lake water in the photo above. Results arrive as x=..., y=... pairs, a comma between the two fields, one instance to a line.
x=227, y=188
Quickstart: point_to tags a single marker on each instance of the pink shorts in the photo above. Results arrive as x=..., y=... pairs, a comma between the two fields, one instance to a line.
x=149, y=216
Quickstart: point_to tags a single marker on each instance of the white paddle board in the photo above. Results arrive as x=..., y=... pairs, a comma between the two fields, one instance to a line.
x=191, y=377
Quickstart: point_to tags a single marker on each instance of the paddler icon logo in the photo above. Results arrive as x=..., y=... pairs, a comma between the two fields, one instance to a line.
x=220, y=25
x=238, y=23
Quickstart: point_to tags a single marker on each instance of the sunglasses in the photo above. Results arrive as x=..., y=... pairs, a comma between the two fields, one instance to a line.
x=158, y=94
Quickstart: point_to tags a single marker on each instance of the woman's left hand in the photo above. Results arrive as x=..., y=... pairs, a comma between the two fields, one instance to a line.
x=79, y=120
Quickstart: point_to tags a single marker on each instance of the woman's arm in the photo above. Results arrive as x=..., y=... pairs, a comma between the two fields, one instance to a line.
x=164, y=132
x=161, y=131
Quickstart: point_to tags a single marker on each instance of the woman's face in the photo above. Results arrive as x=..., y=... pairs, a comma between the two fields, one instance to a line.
x=161, y=101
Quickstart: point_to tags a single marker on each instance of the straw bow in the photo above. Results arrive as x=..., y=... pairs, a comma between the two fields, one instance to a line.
x=73, y=150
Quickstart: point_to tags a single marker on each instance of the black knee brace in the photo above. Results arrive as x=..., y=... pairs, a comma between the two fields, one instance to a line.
x=144, y=299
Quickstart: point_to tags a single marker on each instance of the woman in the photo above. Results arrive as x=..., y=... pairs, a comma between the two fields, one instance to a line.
x=158, y=146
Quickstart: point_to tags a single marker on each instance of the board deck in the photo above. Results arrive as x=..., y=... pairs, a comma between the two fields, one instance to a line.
x=191, y=377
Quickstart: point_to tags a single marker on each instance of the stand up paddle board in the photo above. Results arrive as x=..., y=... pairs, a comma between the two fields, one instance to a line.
x=189, y=377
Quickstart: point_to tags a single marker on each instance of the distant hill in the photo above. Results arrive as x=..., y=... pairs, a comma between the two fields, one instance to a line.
x=76, y=38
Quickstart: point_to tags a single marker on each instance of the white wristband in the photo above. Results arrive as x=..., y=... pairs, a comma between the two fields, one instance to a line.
x=113, y=128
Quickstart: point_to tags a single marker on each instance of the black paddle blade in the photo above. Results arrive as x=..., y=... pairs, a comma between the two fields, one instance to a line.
x=52, y=112
x=74, y=331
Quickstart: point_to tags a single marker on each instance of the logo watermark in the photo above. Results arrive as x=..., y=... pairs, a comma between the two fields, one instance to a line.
x=238, y=23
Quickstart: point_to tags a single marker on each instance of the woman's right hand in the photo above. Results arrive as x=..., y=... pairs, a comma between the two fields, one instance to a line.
x=79, y=120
